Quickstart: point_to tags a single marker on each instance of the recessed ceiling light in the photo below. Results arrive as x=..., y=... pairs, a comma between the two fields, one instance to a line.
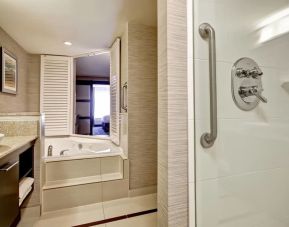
x=67, y=43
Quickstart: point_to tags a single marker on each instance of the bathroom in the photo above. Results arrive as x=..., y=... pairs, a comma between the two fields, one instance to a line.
x=71, y=151
x=198, y=113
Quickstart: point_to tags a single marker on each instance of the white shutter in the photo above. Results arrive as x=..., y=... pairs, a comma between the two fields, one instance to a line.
x=56, y=94
x=114, y=91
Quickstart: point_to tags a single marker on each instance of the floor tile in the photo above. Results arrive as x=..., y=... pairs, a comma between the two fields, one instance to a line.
x=96, y=212
x=149, y=220
x=28, y=222
x=130, y=205
x=71, y=217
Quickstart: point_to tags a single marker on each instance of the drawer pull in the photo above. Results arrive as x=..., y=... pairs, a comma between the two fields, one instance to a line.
x=8, y=167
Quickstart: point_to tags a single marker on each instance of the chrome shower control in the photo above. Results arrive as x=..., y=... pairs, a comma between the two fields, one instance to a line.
x=254, y=73
x=247, y=84
x=261, y=97
x=245, y=92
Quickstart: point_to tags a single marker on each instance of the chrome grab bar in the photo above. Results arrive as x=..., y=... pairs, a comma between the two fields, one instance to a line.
x=7, y=167
x=123, y=97
x=207, y=32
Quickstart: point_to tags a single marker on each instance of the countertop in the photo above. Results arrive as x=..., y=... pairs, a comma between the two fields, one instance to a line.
x=11, y=143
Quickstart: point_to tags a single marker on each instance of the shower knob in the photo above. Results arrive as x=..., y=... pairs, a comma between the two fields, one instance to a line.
x=247, y=84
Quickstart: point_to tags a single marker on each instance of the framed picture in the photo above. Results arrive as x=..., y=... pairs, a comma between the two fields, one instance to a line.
x=9, y=72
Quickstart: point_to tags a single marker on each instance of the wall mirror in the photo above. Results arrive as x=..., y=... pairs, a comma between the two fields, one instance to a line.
x=96, y=93
x=92, y=95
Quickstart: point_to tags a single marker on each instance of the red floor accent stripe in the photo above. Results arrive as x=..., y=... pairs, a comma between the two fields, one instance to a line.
x=118, y=218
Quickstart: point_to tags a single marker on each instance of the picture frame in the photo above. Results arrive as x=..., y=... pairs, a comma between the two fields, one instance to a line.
x=9, y=72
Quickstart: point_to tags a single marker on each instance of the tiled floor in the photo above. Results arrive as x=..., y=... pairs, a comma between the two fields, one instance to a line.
x=100, y=211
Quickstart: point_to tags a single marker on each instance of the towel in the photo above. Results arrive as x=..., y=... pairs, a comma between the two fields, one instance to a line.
x=24, y=186
x=25, y=195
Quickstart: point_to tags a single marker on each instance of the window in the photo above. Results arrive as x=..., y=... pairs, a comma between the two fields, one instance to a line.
x=101, y=100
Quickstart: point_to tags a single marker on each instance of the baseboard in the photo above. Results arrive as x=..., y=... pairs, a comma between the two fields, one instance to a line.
x=143, y=191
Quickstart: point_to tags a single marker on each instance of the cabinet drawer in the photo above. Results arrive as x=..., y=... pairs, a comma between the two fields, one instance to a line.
x=9, y=186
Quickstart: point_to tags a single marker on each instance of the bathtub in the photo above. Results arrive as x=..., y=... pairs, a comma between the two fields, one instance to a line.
x=67, y=148
x=85, y=168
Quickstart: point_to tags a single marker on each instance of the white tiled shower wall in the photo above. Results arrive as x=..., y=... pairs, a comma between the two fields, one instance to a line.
x=243, y=179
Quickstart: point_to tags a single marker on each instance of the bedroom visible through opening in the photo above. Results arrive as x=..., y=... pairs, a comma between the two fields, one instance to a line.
x=92, y=95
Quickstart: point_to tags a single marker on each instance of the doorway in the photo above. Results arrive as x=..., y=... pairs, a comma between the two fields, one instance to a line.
x=92, y=95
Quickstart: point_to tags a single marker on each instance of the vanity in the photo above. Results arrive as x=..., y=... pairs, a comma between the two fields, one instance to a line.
x=16, y=164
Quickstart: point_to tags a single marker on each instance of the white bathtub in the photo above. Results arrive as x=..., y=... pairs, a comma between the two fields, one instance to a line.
x=66, y=148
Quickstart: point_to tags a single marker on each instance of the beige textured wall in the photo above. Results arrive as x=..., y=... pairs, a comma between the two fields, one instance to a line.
x=27, y=98
x=172, y=114
x=8, y=102
x=33, y=87
x=139, y=69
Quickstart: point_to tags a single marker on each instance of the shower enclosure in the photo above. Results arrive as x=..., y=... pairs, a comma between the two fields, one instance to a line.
x=239, y=173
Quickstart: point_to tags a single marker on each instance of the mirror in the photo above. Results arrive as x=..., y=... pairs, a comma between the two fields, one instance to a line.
x=92, y=95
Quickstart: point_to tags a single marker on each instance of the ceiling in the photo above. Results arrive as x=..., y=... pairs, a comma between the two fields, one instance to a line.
x=41, y=26
x=98, y=65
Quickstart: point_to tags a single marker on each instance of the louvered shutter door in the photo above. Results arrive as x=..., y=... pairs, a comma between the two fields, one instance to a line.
x=56, y=94
x=114, y=91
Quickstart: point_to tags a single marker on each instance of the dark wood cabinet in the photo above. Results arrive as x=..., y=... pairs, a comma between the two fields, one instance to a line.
x=9, y=180
x=13, y=168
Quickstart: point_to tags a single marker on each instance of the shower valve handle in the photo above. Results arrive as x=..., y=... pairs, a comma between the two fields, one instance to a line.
x=250, y=91
x=254, y=73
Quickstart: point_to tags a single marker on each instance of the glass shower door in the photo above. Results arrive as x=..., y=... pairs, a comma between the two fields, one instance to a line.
x=242, y=180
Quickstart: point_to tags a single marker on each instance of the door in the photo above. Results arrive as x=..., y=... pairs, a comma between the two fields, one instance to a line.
x=9, y=193
x=114, y=91
x=242, y=180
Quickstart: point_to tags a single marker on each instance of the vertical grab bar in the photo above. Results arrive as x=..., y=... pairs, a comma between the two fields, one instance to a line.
x=123, y=97
x=207, y=32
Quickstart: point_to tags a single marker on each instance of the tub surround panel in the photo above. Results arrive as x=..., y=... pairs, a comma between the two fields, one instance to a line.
x=172, y=114
x=112, y=190
x=92, y=169
x=56, y=171
x=68, y=176
x=110, y=165
x=69, y=197
x=84, y=194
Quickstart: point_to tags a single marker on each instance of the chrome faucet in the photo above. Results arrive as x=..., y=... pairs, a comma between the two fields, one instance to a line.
x=254, y=73
x=49, y=152
x=252, y=91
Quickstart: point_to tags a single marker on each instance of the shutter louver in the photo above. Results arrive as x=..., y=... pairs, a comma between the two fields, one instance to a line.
x=114, y=91
x=56, y=94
